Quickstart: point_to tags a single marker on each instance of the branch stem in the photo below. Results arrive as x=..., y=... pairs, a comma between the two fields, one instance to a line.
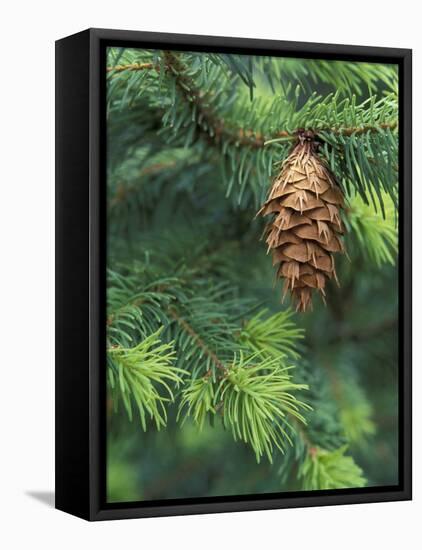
x=199, y=341
x=130, y=67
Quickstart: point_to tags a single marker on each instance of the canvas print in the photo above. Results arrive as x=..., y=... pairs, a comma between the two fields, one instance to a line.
x=252, y=280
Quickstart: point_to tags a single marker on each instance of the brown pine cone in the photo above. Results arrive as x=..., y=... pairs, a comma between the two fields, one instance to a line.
x=305, y=231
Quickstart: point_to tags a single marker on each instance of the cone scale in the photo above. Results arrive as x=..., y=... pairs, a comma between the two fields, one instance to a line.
x=305, y=231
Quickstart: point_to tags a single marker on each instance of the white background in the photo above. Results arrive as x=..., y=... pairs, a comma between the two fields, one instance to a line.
x=28, y=31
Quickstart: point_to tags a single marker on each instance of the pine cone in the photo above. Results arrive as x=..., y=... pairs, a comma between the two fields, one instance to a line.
x=305, y=201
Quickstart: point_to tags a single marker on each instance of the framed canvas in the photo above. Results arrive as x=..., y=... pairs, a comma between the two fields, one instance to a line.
x=233, y=276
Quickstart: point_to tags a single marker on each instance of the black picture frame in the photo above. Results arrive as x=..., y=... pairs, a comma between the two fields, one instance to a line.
x=80, y=274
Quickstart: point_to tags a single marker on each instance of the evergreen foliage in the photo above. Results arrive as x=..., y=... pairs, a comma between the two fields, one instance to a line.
x=136, y=373
x=196, y=336
x=330, y=470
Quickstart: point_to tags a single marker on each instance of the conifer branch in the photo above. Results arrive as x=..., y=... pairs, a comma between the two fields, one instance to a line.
x=330, y=470
x=222, y=130
x=209, y=116
x=199, y=341
x=243, y=136
x=142, y=376
x=130, y=67
x=135, y=303
x=354, y=137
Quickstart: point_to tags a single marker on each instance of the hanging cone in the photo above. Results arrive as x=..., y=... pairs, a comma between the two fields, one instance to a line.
x=306, y=228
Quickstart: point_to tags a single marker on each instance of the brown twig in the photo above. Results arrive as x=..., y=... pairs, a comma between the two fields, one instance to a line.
x=359, y=130
x=199, y=341
x=130, y=67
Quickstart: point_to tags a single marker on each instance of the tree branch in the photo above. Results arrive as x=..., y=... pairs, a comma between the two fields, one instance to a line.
x=199, y=341
x=235, y=135
x=130, y=67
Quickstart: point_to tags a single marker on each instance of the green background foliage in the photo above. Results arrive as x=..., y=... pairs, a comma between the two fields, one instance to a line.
x=214, y=386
